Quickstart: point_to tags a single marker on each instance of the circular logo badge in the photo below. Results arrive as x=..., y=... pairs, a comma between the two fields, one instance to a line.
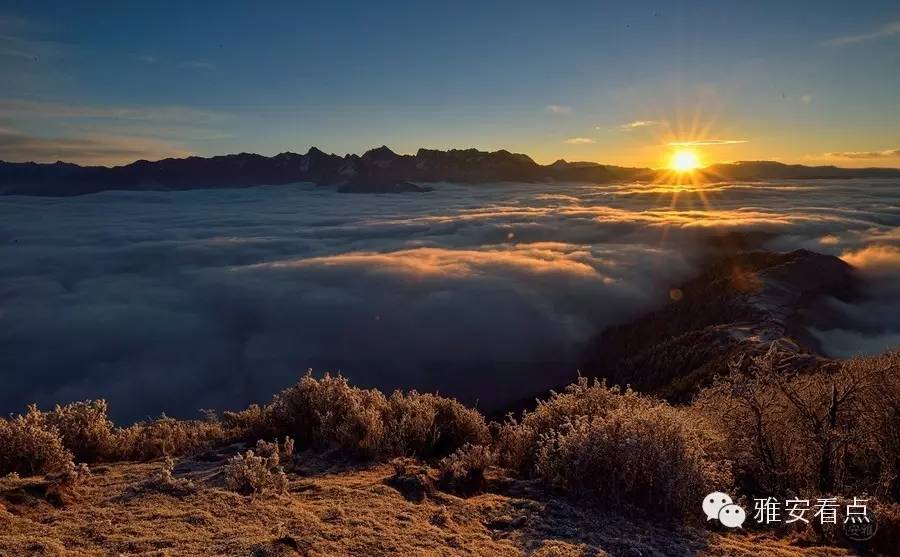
x=861, y=531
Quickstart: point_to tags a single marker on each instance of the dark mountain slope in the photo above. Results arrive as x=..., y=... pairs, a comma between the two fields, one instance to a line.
x=741, y=303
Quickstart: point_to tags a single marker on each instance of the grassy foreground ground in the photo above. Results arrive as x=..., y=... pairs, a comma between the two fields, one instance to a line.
x=332, y=507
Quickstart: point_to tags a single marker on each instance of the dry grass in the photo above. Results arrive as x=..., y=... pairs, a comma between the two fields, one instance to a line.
x=331, y=508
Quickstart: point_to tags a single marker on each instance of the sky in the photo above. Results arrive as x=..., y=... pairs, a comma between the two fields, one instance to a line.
x=612, y=82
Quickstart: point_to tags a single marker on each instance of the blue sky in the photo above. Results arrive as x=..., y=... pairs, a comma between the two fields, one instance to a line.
x=617, y=82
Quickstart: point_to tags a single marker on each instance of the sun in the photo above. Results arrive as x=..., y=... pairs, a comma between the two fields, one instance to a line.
x=684, y=161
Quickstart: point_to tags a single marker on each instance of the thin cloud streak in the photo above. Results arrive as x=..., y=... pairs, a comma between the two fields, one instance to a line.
x=883, y=32
x=888, y=153
x=17, y=53
x=700, y=142
x=20, y=108
x=26, y=49
x=579, y=141
x=107, y=135
x=90, y=149
x=16, y=43
x=558, y=109
x=637, y=124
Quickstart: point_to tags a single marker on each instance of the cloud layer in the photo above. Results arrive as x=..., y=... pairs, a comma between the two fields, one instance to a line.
x=887, y=153
x=175, y=301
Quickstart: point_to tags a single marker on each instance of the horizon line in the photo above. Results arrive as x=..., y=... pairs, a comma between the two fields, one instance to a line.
x=315, y=148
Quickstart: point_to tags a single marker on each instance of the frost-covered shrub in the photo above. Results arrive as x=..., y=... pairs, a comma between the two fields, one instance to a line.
x=646, y=455
x=257, y=473
x=427, y=425
x=280, y=452
x=164, y=481
x=835, y=430
x=29, y=445
x=60, y=488
x=85, y=429
x=463, y=471
x=410, y=424
x=614, y=447
x=518, y=441
x=253, y=422
x=331, y=412
x=72, y=475
x=166, y=436
x=455, y=426
x=326, y=412
x=43, y=441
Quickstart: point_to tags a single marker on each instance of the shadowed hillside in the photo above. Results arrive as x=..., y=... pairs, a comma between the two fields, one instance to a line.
x=740, y=304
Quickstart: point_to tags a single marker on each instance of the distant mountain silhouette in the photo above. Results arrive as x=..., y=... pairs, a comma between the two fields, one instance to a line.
x=759, y=170
x=376, y=171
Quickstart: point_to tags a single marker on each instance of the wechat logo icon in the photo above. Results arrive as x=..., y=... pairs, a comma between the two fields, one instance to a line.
x=721, y=507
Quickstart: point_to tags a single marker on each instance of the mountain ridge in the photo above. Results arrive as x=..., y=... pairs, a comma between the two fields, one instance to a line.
x=378, y=170
x=745, y=303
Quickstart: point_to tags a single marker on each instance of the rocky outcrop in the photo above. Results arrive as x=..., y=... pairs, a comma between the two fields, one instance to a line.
x=740, y=304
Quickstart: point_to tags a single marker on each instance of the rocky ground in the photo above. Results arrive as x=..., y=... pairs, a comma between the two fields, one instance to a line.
x=331, y=508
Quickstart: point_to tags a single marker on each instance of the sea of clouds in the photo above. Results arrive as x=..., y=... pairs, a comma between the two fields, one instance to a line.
x=176, y=301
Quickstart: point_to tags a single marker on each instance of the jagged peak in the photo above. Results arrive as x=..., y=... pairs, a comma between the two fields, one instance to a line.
x=380, y=153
